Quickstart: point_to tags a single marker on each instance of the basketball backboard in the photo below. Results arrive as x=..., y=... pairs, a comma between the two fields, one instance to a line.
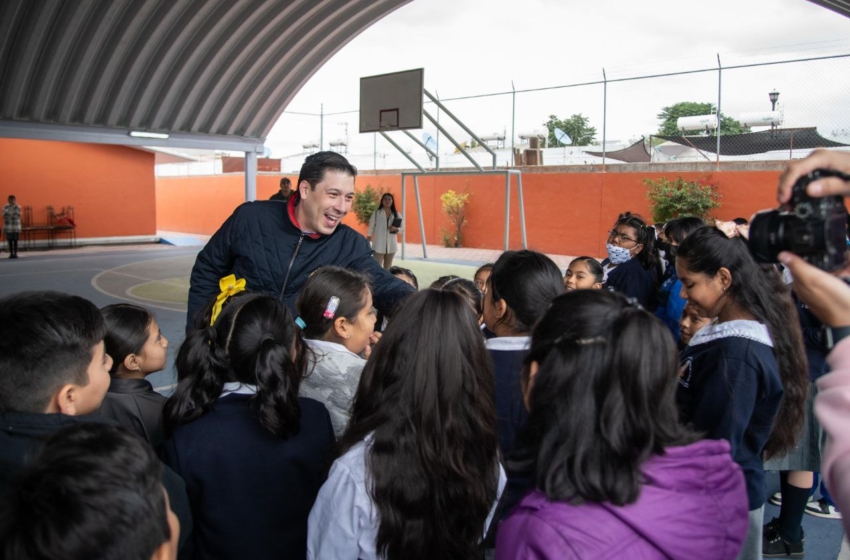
x=392, y=101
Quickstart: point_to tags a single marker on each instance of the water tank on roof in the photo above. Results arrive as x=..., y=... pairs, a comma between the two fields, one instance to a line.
x=763, y=118
x=533, y=134
x=699, y=122
x=495, y=137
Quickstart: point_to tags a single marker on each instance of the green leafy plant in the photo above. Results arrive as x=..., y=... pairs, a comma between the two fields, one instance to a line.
x=671, y=199
x=454, y=207
x=366, y=202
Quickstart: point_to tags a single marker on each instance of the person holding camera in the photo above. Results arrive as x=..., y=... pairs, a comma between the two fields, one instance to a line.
x=828, y=298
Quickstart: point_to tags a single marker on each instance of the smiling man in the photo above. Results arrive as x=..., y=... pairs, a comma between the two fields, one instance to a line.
x=275, y=247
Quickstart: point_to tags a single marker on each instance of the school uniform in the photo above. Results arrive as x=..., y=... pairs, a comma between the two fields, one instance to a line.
x=729, y=388
x=250, y=492
x=136, y=406
x=634, y=281
x=344, y=521
x=508, y=353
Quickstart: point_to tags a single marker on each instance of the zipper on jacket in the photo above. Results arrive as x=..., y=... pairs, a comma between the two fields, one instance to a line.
x=289, y=268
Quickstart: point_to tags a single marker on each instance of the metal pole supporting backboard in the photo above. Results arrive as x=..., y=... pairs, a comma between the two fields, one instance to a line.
x=250, y=176
x=508, y=173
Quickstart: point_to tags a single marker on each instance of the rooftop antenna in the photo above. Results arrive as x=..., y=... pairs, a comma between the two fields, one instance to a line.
x=564, y=140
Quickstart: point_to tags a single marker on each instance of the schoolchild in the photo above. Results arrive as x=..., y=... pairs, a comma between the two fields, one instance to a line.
x=93, y=493
x=520, y=288
x=692, y=321
x=418, y=473
x=614, y=475
x=54, y=372
x=633, y=261
x=252, y=453
x=481, y=275
x=584, y=273
x=137, y=347
x=744, y=377
x=405, y=274
x=469, y=290
x=335, y=309
x=670, y=301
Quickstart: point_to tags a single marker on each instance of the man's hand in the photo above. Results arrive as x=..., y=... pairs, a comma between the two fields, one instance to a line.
x=819, y=159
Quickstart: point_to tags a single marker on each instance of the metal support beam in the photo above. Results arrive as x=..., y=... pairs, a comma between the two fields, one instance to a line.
x=405, y=154
x=453, y=141
x=250, y=176
x=421, y=221
x=463, y=126
x=424, y=147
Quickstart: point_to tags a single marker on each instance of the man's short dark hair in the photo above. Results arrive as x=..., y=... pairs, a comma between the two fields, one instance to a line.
x=313, y=170
x=285, y=183
x=94, y=492
x=46, y=341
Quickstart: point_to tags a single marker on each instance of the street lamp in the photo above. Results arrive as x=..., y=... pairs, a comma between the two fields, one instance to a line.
x=774, y=96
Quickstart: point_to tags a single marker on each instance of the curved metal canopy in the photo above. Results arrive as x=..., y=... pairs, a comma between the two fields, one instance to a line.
x=208, y=73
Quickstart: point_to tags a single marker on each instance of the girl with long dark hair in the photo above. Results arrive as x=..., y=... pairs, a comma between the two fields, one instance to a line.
x=384, y=225
x=519, y=290
x=632, y=266
x=335, y=309
x=744, y=377
x=670, y=302
x=614, y=474
x=253, y=454
x=418, y=474
x=138, y=349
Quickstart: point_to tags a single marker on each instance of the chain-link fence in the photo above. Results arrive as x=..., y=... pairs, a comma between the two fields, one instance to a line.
x=731, y=116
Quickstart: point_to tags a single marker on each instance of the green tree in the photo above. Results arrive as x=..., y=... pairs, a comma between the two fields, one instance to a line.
x=670, y=114
x=366, y=202
x=577, y=128
x=672, y=199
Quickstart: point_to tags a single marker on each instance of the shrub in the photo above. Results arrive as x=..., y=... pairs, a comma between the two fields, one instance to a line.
x=366, y=202
x=671, y=199
x=454, y=207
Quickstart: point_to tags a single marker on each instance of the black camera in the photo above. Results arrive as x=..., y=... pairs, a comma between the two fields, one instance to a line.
x=812, y=228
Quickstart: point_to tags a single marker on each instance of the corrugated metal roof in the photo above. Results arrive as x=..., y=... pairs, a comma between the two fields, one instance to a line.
x=198, y=67
x=838, y=6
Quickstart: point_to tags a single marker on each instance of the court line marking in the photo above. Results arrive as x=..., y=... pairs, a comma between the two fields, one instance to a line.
x=134, y=299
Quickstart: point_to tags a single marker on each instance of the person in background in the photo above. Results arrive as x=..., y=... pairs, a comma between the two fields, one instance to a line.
x=418, y=474
x=441, y=281
x=406, y=275
x=470, y=291
x=285, y=190
x=691, y=322
x=613, y=473
x=670, y=302
x=94, y=492
x=584, y=273
x=384, y=225
x=632, y=254
x=481, y=275
x=12, y=225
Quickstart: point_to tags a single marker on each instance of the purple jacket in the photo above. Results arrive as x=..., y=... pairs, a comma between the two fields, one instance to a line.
x=692, y=505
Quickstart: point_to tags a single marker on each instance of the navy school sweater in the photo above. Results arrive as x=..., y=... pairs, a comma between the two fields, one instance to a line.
x=632, y=280
x=251, y=492
x=508, y=354
x=729, y=388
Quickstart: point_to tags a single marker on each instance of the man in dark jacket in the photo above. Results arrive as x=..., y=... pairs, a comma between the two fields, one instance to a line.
x=285, y=190
x=275, y=247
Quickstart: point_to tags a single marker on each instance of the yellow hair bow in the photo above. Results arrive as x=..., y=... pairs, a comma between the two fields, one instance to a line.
x=229, y=286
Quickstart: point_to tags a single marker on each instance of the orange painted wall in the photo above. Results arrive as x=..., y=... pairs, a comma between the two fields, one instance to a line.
x=112, y=188
x=567, y=213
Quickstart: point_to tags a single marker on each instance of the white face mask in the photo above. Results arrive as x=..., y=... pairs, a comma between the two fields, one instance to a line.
x=618, y=255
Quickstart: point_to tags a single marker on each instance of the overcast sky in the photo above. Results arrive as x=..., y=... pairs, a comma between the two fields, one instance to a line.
x=470, y=47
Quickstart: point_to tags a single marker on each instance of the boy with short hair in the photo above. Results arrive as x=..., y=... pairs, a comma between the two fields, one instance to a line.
x=53, y=369
x=94, y=493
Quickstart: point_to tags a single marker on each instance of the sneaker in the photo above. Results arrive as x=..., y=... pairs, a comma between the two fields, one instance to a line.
x=823, y=509
x=776, y=499
x=774, y=546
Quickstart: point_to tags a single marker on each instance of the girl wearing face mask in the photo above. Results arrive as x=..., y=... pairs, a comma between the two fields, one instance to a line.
x=632, y=253
x=670, y=303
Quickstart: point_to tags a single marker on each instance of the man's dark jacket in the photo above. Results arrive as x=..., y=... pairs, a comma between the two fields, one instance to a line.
x=260, y=243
